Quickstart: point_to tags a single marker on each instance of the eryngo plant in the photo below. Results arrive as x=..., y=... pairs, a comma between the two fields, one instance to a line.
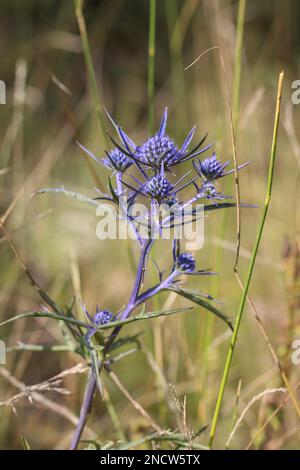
x=148, y=171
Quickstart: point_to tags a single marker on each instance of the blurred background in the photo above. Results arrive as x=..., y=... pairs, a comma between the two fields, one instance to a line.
x=49, y=106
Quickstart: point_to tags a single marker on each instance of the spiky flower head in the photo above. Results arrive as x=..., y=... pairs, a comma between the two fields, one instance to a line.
x=171, y=201
x=102, y=317
x=160, y=150
x=156, y=150
x=159, y=188
x=186, y=262
x=117, y=160
x=210, y=168
x=209, y=190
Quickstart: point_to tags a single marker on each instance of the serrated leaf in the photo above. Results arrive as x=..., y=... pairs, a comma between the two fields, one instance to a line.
x=226, y=205
x=71, y=194
x=202, y=303
x=55, y=316
x=142, y=316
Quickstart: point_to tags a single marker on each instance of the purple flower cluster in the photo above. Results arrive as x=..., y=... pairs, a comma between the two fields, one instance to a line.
x=186, y=262
x=154, y=159
x=158, y=188
x=157, y=149
x=147, y=170
x=102, y=317
x=211, y=168
x=116, y=160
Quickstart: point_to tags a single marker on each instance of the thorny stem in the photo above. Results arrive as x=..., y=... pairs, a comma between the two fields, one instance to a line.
x=123, y=206
x=85, y=410
x=155, y=290
x=91, y=384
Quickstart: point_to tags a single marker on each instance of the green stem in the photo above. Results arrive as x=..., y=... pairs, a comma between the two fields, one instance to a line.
x=208, y=326
x=177, y=69
x=114, y=416
x=151, y=63
x=90, y=69
x=238, y=61
x=41, y=348
x=251, y=266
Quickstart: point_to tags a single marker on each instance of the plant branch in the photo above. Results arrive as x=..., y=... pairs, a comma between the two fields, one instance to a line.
x=92, y=381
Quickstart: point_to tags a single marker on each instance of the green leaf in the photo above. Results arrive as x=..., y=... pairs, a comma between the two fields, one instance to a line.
x=25, y=443
x=112, y=191
x=226, y=205
x=175, y=438
x=114, y=359
x=41, y=348
x=71, y=194
x=124, y=340
x=55, y=316
x=96, y=371
x=143, y=316
x=196, y=298
x=91, y=444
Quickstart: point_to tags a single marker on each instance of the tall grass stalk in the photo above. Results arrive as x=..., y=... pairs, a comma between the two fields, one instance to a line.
x=234, y=113
x=238, y=62
x=157, y=333
x=283, y=373
x=251, y=265
x=177, y=69
x=90, y=69
x=208, y=327
x=113, y=416
x=151, y=64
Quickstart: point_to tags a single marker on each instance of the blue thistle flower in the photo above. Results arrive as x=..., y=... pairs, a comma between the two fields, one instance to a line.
x=171, y=201
x=186, y=262
x=102, y=317
x=158, y=150
x=209, y=190
x=117, y=160
x=158, y=188
x=211, y=168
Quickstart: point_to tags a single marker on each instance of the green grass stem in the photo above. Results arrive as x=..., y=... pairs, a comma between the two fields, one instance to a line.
x=250, y=268
x=151, y=64
x=90, y=69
